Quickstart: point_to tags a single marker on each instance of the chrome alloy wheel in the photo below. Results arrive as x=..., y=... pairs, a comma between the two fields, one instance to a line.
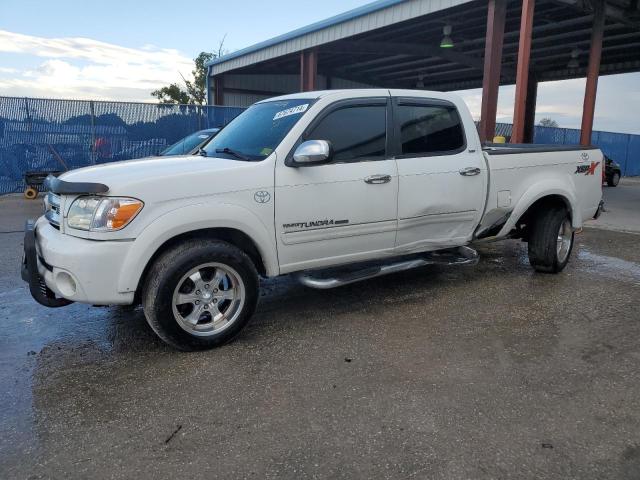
x=208, y=299
x=565, y=237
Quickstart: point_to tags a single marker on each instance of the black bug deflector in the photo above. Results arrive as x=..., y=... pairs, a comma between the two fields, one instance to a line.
x=61, y=187
x=39, y=290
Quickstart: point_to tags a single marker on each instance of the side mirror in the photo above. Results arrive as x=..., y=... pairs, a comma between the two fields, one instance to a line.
x=312, y=152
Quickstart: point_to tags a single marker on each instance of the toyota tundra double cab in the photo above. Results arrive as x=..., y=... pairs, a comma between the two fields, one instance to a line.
x=332, y=186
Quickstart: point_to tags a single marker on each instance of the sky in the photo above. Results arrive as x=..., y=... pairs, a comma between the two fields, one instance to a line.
x=124, y=49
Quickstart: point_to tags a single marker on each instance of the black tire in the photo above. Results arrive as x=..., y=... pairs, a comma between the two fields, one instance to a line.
x=543, y=240
x=168, y=270
x=613, y=180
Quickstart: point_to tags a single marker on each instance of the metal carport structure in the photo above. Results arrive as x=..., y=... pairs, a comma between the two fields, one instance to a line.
x=397, y=44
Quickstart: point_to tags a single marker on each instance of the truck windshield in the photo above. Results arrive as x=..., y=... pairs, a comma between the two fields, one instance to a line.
x=188, y=143
x=257, y=131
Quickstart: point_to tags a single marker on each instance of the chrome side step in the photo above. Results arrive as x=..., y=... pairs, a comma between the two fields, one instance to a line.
x=337, y=277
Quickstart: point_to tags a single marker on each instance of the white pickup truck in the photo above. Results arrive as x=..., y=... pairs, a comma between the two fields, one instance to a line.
x=333, y=186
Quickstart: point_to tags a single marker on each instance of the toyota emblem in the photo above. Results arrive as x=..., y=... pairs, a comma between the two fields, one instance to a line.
x=262, y=196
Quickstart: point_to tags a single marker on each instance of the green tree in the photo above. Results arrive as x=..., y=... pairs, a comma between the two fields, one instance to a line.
x=194, y=91
x=171, y=94
x=548, y=122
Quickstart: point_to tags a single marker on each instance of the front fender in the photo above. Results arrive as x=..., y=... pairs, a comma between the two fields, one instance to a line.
x=192, y=218
x=544, y=188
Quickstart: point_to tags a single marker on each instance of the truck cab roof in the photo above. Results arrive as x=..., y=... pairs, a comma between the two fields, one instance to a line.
x=359, y=92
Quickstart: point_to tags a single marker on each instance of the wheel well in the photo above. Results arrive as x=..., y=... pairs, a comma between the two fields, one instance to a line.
x=229, y=235
x=542, y=204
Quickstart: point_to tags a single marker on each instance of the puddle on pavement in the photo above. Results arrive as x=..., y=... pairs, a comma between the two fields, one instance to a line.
x=39, y=343
x=612, y=267
x=589, y=262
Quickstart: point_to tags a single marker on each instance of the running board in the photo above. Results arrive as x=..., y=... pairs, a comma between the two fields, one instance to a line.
x=337, y=277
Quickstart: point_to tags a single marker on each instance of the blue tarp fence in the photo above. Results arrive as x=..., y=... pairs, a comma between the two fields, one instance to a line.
x=51, y=135
x=624, y=148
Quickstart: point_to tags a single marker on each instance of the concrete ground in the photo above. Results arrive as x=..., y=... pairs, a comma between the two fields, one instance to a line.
x=622, y=205
x=491, y=371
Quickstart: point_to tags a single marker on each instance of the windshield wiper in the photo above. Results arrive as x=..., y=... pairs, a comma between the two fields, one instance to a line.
x=202, y=152
x=232, y=152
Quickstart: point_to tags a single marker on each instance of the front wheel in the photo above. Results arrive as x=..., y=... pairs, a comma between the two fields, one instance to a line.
x=200, y=294
x=550, y=240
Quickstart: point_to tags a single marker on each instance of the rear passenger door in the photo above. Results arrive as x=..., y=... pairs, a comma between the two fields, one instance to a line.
x=442, y=179
x=345, y=210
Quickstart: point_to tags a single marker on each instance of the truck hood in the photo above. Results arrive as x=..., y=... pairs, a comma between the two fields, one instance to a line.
x=159, y=178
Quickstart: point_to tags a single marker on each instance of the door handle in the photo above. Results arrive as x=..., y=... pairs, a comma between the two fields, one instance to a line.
x=470, y=171
x=378, y=179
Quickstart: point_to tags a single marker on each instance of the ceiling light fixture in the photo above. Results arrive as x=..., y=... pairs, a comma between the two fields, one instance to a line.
x=573, y=63
x=447, y=41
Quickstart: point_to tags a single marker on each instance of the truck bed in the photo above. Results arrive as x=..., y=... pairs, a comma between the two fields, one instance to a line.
x=521, y=173
x=513, y=148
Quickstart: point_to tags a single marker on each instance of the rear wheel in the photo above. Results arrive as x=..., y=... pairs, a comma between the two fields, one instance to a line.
x=613, y=180
x=200, y=294
x=550, y=240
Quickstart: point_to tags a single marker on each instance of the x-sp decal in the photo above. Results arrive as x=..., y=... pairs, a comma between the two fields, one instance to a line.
x=587, y=169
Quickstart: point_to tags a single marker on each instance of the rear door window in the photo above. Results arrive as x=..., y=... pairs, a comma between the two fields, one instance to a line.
x=427, y=130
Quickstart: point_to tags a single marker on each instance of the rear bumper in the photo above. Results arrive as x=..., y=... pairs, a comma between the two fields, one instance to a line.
x=61, y=269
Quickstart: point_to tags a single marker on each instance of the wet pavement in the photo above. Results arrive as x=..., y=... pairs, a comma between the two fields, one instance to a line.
x=490, y=371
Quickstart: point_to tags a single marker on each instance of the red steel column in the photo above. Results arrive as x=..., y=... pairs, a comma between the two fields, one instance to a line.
x=593, y=71
x=522, y=71
x=218, y=96
x=308, y=70
x=492, y=64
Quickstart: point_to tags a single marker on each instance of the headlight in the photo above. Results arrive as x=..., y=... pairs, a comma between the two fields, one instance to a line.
x=102, y=214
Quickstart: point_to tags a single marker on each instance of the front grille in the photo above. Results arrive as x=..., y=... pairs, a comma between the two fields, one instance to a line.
x=52, y=209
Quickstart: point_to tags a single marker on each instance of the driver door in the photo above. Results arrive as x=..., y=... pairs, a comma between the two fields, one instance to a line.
x=344, y=210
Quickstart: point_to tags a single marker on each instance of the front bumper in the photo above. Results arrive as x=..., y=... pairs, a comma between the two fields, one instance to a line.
x=37, y=286
x=61, y=269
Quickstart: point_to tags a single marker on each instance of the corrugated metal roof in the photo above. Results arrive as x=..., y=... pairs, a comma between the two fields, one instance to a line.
x=343, y=17
x=368, y=17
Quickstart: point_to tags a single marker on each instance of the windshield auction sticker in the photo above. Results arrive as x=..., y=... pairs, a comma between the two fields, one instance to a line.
x=291, y=111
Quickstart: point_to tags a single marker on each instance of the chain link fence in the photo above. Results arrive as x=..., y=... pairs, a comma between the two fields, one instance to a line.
x=55, y=135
